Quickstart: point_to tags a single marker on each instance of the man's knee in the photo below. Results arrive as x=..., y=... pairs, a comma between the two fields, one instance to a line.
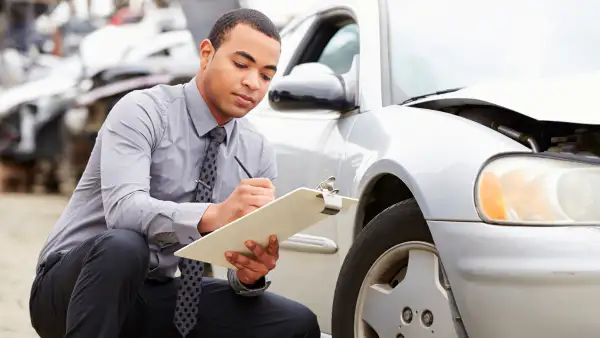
x=304, y=323
x=124, y=248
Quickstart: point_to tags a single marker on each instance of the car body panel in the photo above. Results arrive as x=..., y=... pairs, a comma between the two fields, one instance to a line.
x=560, y=99
x=156, y=44
x=302, y=160
x=107, y=45
x=47, y=86
x=121, y=86
x=378, y=144
x=114, y=73
x=355, y=148
x=521, y=282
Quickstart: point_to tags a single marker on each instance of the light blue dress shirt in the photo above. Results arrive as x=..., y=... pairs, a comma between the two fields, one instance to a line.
x=142, y=172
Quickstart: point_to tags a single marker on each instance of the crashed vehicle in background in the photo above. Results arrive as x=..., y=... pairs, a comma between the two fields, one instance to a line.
x=29, y=119
x=32, y=114
x=171, y=59
x=469, y=132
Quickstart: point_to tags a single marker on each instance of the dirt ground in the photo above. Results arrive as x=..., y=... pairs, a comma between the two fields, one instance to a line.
x=24, y=224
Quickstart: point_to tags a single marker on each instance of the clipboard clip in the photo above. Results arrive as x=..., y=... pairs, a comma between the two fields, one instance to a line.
x=332, y=201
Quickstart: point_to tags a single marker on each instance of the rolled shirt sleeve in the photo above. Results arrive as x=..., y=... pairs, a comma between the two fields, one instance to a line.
x=130, y=133
x=249, y=291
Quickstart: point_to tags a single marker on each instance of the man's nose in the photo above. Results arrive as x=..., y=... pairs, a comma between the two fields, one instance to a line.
x=251, y=80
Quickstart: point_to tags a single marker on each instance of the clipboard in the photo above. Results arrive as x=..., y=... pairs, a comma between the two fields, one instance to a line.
x=283, y=217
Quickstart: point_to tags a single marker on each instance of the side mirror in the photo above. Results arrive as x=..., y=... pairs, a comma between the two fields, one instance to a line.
x=311, y=86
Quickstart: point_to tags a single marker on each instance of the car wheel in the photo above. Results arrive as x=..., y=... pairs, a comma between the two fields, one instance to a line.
x=391, y=285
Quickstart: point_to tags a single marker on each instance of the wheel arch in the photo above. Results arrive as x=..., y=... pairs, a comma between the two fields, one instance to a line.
x=436, y=156
x=384, y=184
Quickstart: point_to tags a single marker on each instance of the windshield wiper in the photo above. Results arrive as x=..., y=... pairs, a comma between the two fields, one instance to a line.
x=439, y=92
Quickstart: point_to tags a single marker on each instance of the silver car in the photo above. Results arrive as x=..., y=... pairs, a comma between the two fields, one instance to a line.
x=469, y=131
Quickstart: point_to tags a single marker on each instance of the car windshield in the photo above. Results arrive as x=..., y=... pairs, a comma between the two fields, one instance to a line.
x=440, y=44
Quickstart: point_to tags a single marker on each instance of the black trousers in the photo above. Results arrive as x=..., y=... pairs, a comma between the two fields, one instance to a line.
x=100, y=290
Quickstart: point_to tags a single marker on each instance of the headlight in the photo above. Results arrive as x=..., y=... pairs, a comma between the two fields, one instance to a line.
x=529, y=189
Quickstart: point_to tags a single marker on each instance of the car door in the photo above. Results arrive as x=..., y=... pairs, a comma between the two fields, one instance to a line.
x=310, y=147
x=305, y=139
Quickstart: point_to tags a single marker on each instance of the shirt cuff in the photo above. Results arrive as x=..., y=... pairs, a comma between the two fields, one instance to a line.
x=258, y=288
x=186, y=219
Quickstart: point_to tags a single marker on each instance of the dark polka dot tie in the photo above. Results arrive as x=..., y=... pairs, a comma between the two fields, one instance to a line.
x=186, y=308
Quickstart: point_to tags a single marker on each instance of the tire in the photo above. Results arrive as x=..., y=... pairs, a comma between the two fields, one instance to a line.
x=400, y=223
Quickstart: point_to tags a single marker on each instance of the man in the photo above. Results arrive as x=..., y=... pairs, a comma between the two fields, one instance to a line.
x=161, y=174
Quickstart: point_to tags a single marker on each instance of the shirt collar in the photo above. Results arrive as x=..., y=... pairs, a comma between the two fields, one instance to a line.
x=202, y=118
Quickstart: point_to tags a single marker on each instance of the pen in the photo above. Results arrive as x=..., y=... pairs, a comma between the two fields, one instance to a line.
x=242, y=165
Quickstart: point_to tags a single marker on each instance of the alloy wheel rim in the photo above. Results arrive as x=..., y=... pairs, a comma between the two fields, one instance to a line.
x=402, y=296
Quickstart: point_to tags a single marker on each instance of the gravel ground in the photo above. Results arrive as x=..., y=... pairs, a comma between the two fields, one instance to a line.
x=25, y=222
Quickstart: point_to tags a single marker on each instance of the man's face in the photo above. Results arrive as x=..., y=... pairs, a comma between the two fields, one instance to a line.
x=236, y=77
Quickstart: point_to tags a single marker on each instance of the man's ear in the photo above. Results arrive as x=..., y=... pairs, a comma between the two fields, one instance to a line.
x=206, y=53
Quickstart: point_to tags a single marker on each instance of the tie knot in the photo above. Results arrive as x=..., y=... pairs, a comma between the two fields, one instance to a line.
x=218, y=134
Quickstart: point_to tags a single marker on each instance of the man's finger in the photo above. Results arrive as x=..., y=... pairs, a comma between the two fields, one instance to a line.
x=273, y=247
x=257, y=200
x=262, y=255
x=229, y=256
x=259, y=182
x=260, y=191
x=236, y=259
x=258, y=251
x=238, y=266
x=247, y=263
x=257, y=267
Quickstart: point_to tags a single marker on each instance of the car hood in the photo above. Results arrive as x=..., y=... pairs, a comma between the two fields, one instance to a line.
x=560, y=99
x=29, y=91
x=170, y=65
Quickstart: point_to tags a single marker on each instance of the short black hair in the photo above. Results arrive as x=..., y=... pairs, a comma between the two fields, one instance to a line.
x=248, y=16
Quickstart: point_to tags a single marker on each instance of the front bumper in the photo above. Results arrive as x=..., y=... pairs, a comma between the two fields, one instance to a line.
x=524, y=282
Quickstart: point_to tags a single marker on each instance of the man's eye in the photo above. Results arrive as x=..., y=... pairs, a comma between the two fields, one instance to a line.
x=239, y=65
x=266, y=78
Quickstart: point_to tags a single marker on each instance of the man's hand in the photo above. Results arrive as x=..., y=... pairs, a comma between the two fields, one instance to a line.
x=252, y=269
x=248, y=196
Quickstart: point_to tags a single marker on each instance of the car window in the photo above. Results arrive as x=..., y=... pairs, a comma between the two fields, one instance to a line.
x=290, y=40
x=341, y=49
x=438, y=44
x=291, y=37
